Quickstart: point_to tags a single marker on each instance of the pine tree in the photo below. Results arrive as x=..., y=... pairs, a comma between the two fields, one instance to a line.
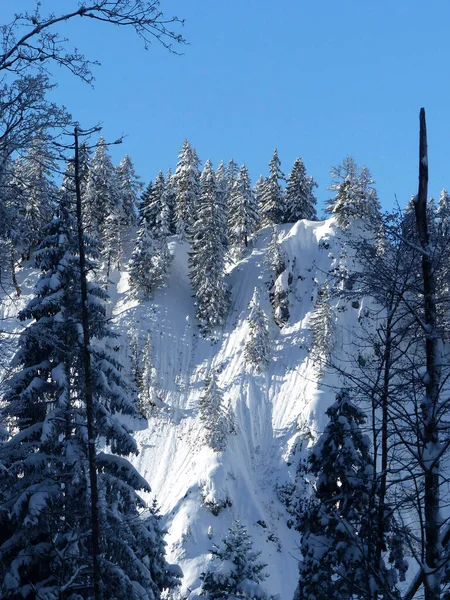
x=46, y=544
x=275, y=259
x=356, y=198
x=279, y=287
x=243, y=211
x=272, y=201
x=156, y=211
x=187, y=180
x=149, y=262
x=102, y=193
x=128, y=188
x=206, y=261
x=222, y=198
x=300, y=200
x=235, y=571
x=170, y=200
x=232, y=173
x=11, y=220
x=336, y=525
x=258, y=191
x=217, y=420
x=257, y=349
x=322, y=325
x=443, y=213
x=36, y=193
x=144, y=201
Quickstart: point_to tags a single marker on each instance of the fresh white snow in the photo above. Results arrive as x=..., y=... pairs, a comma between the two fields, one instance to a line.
x=200, y=491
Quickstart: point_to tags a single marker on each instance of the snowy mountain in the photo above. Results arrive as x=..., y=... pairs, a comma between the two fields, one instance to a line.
x=201, y=491
x=277, y=410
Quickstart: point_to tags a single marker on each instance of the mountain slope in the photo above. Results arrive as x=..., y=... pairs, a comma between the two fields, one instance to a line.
x=191, y=481
x=277, y=411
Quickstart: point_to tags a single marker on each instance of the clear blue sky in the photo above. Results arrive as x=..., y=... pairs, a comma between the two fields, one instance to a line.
x=318, y=79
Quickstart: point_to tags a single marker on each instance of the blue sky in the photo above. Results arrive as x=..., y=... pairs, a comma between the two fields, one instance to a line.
x=318, y=79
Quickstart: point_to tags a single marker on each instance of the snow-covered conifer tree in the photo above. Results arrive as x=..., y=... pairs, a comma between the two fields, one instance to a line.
x=170, y=200
x=46, y=546
x=11, y=219
x=36, y=193
x=279, y=286
x=336, y=526
x=275, y=259
x=217, y=419
x=157, y=211
x=206, y=261
x=443, y=213
x=272, y=200
x=322, y=325
x=129, y=188
x=356, y=198
x=235, y=571
x=223, y=198
x=258, y=191
x=144, y=201
x=243, y=214
x=300, y=202
x=257, y=349
x=187, y=180
x=102, y=194
x=232, y=172
x=150, y=261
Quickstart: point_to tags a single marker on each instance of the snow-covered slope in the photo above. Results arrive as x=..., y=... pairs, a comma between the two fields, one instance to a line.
x=201, y=491
x=191, y=481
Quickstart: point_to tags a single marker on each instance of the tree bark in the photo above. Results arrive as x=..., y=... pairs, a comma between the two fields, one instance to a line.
x=430, y=433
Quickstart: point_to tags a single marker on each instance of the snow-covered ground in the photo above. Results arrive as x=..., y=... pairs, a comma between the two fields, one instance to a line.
x=201, y=491
x=271, y=408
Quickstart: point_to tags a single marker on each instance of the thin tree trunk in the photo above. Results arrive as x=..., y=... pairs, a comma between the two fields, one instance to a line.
x=88, y=385
x=432, y=580
x=382, y=478
x=13, y=271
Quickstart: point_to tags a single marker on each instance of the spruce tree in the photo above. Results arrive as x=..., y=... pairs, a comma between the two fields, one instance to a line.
x=11, y=219
x=232, y=172
x=206, y=261
x=235, y=571
x=187, y=180
x=149, y=262
x=102, y=193
x=279, y=286
x=128, y=188
x=223, y=198
x=144, y=201
x=300, y=201
x=156, y=211
x=170, y=200
x=356, y=198
x=243, y=217
x=272, y=200
x=443, y=213
x=46, y=546
x=217, y=420
x=336, y=526
x=36, y=193
x=322, y=326
x=258, y=191
x=257, y=349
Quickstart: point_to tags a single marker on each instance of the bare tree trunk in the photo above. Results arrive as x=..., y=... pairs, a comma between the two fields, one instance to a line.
x=381, y=479
x=88, y=386
x=13, y=271
x=430, y=453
